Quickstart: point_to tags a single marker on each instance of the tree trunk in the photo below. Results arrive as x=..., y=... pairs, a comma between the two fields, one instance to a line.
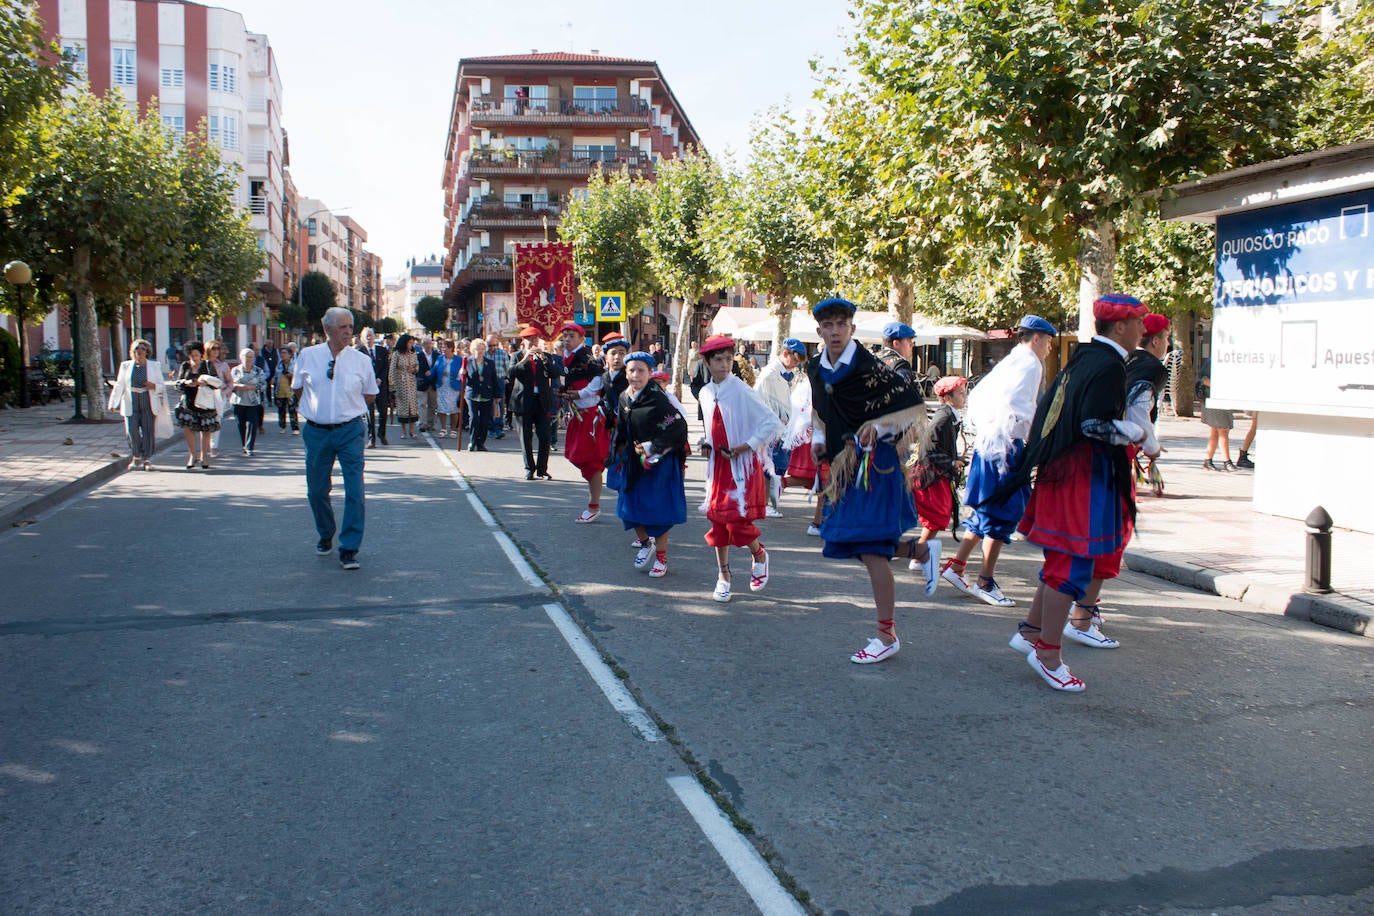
x=900, y=294
x=188, y=295
x=1096, y=270
x=23, y=351
x=781, y=305
x=684, y=335
x=1182, y=381
x=91, y=378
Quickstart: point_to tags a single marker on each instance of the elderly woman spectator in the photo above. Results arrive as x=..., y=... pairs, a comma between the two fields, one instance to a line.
x=447, y=376
x=219, y=367
x=198, y=412
x=283, y=394
x=139, y=394
x=404, y=367
x=249, y=387
x=481, y=389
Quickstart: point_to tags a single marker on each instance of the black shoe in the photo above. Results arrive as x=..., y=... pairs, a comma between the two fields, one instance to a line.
x=544, y=475
x=1229, y=466
x=348, y=559
x=481, y=448
x=384, y=442
x=371, y=443
x=324, y=546
x=529, y=475
x=1244, y=462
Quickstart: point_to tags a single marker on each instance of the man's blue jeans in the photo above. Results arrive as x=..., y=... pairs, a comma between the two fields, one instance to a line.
x=322, y=448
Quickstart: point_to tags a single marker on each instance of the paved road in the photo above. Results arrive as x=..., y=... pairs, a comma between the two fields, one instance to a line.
x=276, y=733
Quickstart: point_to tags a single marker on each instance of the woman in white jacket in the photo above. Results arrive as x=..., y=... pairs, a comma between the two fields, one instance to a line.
x=139, y=395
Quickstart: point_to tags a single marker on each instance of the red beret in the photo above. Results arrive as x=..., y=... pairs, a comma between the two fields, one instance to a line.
x=949, y=383
x=530, y=331
x=659, y=376
x=716, y=342
x=1118, y=307
x=1154, y=323
x=614, y=335
x=572, y=326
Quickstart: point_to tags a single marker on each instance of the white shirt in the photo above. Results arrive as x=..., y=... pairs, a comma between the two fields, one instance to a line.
x=338, y=400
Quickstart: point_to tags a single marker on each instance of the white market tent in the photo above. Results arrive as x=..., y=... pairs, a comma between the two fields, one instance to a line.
x=760, y=325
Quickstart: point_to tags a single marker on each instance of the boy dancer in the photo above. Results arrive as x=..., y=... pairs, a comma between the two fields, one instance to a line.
x=1000, y=409
x=1082, y=509
x=864, y=416
x=934, y=473
x=586, y=445
x=738, y=426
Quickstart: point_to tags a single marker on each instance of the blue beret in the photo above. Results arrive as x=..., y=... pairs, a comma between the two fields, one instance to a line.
x=615, y=342
x=1036, y=323
x=642, y=357
x=896, y=330
x=796, y=346
x=834, y=302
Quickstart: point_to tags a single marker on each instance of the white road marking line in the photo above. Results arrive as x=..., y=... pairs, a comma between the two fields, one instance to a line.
x=513, y=554
x=610, y=685
x=453, y=471
x=740, y=856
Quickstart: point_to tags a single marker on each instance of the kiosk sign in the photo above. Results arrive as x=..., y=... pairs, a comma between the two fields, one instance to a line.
x=1292, y=305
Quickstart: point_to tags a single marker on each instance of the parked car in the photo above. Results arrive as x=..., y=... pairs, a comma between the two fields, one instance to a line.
x=61, y=359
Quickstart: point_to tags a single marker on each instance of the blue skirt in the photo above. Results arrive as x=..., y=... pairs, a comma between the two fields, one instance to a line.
x=658, y=500
x=995, y=520
x=872, y=515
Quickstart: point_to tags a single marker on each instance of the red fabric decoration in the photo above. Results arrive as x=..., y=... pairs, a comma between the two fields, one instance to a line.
x=544, y=285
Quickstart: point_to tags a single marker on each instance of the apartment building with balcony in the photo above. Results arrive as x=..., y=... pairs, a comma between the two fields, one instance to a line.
x=324, y=239
x=525, y=133
x=200, y=65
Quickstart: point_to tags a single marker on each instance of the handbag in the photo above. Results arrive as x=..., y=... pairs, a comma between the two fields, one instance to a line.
x=205, y=398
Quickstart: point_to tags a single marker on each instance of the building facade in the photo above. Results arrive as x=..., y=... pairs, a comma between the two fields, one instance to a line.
x=203, y=67
x=324, y=244
x=525, y=134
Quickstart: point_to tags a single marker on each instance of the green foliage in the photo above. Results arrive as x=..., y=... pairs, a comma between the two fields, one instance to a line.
x=318, y=295
x=1338, y=107
x=1047, y=120
x=1170, y=266
x=761, y=230
x=31, y=77
x=361, y=320
x=432, y=314
x=293, y=316
x=387, y=325
x=11, y=367
x=608, y=250
x=998, y=290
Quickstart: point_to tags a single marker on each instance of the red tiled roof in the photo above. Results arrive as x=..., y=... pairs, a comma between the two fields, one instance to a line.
x=556, y=57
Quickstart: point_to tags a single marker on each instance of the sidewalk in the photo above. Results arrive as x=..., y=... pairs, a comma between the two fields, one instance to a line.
x=1202, y=534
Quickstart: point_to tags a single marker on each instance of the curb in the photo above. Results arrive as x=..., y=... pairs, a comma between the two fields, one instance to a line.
x=46, y=501
x=1335, y=610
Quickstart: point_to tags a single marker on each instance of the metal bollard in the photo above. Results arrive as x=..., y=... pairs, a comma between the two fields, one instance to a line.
x=1318, y=552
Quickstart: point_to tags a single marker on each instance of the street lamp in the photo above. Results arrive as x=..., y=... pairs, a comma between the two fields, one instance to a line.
x=18, y=273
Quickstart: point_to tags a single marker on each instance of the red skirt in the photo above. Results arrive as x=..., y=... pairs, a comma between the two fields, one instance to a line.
x=801, y=466
x=934, y=504
x=587, y=442
x=1074, y=507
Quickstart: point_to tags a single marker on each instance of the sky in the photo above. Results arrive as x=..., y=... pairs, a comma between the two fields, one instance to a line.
x=367, y=86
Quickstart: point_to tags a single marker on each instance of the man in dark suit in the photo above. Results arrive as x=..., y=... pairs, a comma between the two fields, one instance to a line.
x=267, y=360
x=381, y=366
x=532, y=381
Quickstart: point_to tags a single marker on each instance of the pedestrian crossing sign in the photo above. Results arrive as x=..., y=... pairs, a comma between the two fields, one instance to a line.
x=610, y=306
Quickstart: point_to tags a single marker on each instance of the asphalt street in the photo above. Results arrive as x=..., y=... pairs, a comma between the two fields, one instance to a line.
x=199, y=714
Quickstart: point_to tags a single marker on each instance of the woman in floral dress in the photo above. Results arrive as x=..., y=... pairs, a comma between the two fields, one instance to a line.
x=404, y=365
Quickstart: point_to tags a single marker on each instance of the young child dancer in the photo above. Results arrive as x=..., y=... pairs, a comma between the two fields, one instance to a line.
x=933, y=475
x=738, y=426
x=864, y=417
x=651, y=441
x=1000, y=409
x=586, y=445
x=801, y=467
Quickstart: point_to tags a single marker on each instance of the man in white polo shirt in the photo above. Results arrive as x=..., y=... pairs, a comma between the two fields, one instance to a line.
x=337, y=383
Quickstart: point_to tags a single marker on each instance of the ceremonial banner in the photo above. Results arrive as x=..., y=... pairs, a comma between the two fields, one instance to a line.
x=544, y=285
x=498, y=311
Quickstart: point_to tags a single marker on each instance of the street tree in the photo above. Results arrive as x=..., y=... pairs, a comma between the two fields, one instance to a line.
x=432, y=314
x=361, y=319
x=1050, y=121
x=680, y=202
x=604, y=226
x=32, y=76
x=1338, y=105
x=293, y=316
x=317, y=294
x=388, y=325
x=762, y=232
x=104, y=200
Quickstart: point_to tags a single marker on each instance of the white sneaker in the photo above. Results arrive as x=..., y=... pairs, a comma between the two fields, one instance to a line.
x=722, y=592
x=875, y=651
x=588, y=515
x=660, y=569
x=1092, y=636
x=991, y=594
x=1060, y=678
x=770, y=512
x=646, y=553
x=758, y=574
x=954, y=578
x=1021, y=644
x=813, y=530
x=929, y=567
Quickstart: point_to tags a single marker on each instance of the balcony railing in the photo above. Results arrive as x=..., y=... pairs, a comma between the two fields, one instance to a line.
x=257, y=204
x=495, y=211
x=485, y=267
x=575, y=161
x=625, y=106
